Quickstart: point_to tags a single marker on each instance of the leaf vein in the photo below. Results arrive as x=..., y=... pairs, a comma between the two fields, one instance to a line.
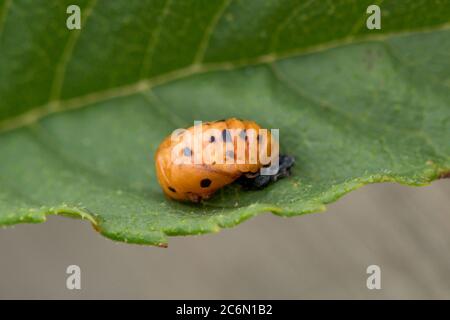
x=81, y=101
x=6, y=8
x=154, y=39
x=60, y=70
x=209, y=31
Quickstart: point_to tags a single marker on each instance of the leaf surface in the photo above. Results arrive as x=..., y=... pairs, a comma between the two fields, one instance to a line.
x=82, y=112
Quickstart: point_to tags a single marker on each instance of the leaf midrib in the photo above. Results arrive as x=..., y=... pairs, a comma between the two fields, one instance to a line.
x=55, y=106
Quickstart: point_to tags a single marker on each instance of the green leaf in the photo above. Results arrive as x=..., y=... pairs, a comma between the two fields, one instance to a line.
x=83, y=111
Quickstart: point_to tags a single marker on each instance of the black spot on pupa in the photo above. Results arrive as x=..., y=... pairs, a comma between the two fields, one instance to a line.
x=226, y=136
x=259, y=138
x=172, y=189
x=205, y=183
x=212, y=139
x=187, y=152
